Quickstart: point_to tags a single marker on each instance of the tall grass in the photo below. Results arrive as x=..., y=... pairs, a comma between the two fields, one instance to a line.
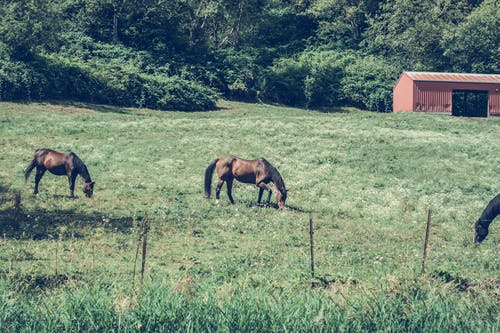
x=414, y=307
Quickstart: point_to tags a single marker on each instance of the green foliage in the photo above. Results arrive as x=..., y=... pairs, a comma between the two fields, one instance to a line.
x=312, y=80
x=102, y=73
x=284, y=82
x=341, y=22
x=162, y=54
x=368, y=83
x=174, y=93
x=473, y=45
x=20, y=82
x=236, y=75
x=26, y=25
x=331, y=78
x=410, y=32
x=322, y=86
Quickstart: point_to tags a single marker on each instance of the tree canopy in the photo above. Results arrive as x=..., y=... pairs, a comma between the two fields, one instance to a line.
x=184, y=54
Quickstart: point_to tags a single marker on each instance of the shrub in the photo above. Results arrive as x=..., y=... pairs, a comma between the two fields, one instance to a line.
x=322, y=86
x=177, y=93
x=238, y=73
x=54, y=77
x=20, y=82
x=321, y=78
x=368, y=83
x=284, y=82
x=312, y=80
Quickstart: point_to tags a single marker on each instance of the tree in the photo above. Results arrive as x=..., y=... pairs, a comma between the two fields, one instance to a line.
x=410, y=32
x=342, y=22
x=26, y=25
x=474, y=45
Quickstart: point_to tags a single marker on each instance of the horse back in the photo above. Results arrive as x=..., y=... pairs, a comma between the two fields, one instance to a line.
x=224, y=167
x=56, y=162
x=251, y=171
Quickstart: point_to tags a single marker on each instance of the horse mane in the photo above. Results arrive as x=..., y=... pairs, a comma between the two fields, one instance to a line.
x=81, y=168
x=491, y=211
x=276, y=177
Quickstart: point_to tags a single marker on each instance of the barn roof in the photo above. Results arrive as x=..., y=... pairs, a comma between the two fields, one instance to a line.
x=454, y=77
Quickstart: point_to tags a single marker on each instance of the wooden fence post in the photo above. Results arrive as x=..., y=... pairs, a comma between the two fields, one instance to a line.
x=142, y=234
x=57, y=254
x=17, y=209
x=139, y=237
x=144, y=248
x=426, y=241
x=311, y=241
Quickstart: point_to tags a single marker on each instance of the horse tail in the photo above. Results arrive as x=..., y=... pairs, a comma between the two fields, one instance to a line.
x=208, y=177
x=29, y=169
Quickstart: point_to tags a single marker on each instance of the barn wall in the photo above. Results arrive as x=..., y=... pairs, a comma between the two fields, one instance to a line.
x=436, y=96
x=494, y=102
x=432, y=97
x=402, y=100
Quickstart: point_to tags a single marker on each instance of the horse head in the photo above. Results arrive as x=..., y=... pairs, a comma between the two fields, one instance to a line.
x=281, y=198
x=88, y=188
x=481, y=232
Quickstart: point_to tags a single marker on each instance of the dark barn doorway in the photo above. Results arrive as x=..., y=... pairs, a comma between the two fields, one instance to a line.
x=469, y=103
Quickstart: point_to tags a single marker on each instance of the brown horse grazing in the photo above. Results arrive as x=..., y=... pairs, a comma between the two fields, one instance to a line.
x=259, y=172
x=60, y=164
x=491, y=211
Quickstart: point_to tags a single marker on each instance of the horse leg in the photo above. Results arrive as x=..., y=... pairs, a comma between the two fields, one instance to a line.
x=220, y=182
x=71, y=180
x=268, y=201
x=229, y=184
x=259, y=198
x=263, y=186
x=38, y=176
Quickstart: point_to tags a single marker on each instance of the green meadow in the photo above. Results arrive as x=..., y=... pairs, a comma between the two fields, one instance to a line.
x=367, y=179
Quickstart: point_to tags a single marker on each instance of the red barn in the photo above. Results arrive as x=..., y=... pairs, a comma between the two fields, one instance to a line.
x=469, y=95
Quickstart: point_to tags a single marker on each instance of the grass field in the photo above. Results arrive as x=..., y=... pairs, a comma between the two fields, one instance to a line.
x=367, y=178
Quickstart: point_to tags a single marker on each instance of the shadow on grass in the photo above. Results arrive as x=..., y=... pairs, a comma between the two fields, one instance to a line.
x=3, y=194
x=39, y=282
x=332, y=109
x=105, y=108
x=98, y=107
x=41, y=224
x=274, y=205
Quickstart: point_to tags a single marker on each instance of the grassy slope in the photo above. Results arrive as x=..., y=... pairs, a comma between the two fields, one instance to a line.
x=369, y=179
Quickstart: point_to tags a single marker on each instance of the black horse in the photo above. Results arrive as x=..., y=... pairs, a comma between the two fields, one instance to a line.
x=60, y=164
x=490, y=212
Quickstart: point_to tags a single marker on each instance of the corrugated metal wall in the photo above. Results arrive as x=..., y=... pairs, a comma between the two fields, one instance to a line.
x=494, y=103
x=437, y=96
x=432, y=100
